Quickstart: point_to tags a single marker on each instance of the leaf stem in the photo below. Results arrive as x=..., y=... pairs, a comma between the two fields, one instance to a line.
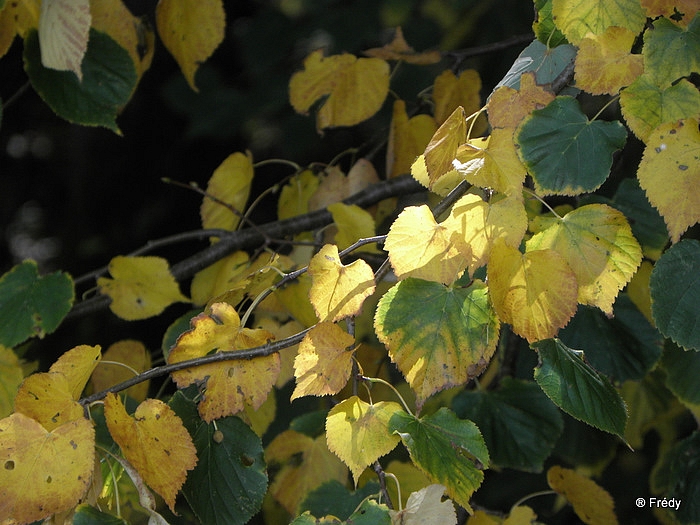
x=530, y=496
x=392, y=387
x=527, y=190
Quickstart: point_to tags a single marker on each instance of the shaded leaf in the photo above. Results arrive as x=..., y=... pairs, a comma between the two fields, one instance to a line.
x=11, y=376
x=229, y=184
x=507, y=107
x=353, y=223
x=682, y=468
x=64, y=26
x=547, y=63
x=119, y=363
x=681, y=369
x=575, y=19
x=408, y=138
x=334, y=498
x=427, y=508
x=672, y=51
x=224, y=276
x=295, y=195
x=591, y=502
x=398, y=49
x=87, y=515
x=451, y=91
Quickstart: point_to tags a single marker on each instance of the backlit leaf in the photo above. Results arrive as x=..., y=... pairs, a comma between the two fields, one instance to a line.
x=507, y=107
x=228, y=274
x=556, y=145
x=353, y=223
x=190, y=30
x=155, y=442
x=426, y=507
x=229, y=184
x=230, y=385
x=442, y=148
x=11, y=376
x=672, y=51
x=398, y=49
x=451, y=91
x=438, y=336
x=675, y=283
x=324, y=360
x=140, y=287
x=536, y=292
x=337, y=290
x=295, y=195
x=32, y=305
x=673, y=153
x=340, y=78
x=33, y=484
x=77, y=365
x=597, y=243
x=64, y=26
x=335, y=186
x=357, y=432
x=449, y=450
x=119, y=363
x=604, y=63
x=408, y=138
x=591, y=502
x=577, y=389
x=420, y=247
x=575, y=18
x=645, y=105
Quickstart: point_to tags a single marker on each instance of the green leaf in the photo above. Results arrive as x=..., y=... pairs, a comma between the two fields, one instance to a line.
x=438, y=336
x=31, y=305
x=681, y=368
x=624, y=347
x=577, y=389
x=449, y=450
x=369, y=513
x=671, y=51
x=547, y=63
x=681, y=468
x=109, y=79
x=566, y=153
x=87, y=515
x=519, y=423
x=543, y=26
x=675, y=288
x=230, y=480
x=334, y=498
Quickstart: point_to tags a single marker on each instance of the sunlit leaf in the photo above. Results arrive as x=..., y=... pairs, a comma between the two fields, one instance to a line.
x=190, y=30
x=119, y=363
x=604, y=63
x=449, y=450
x=426, y=507
x=11, y=376
x=357, y=432
x=575, y=18
x=340, y=78
x=338, y=290
x=507, y=107
x=672, y=51
x=33, y=484
x=398, y=49
x=230, y=186
x=64, y=26
x=353, y=223
x=77, y=364
x=675, y=283
x=420, y=247
x=673, y=151
x=230, y=385
x=536, y=292
x=597, y=243
x=442, y=148
x=324, y=360
x=140, y=287
x=451, y=91
x=438, y=336
x=155, y=442
x=295, y=195
x=577, y=389
x=32, y=305
x=556, y=144
x=408, y=138
x=225, y=275
x=591, y=502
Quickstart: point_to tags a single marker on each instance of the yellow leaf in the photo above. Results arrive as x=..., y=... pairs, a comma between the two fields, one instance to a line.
x=64, y=27
x=259, y=419
x=426, y=507
x=43, y=472
x=656, y=8
x=420, y=247
x=442, y=148
x=444, y=185
x=141, y=287
x=357, y=432
x=398, y=49
x=604, y=63
x=355, y=88
x=119, y=363
x=591, y=502
x=294, y=297
x=639, y=292
x=11, y=376
x=669, y=173
x=25, y=15
x=408, y=138
x=77, y=365
x=8, y=30
x=507, y=107
x=480, y=223
x=576, y=19
x=353, y=223
x=190, y=30
x=229, y=188
x=338, y=291
x=229, y=384
x=412, y=479
x=295, y=195
x=451, y=92
x=324, y=361
x=597, y=243
x=296, y=478
x=230, y=273
x=336, y=186
x=521, y=515
x=155, y=442
x=534, y=292
x=482, y=518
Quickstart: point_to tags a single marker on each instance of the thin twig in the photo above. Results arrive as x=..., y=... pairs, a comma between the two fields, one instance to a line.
x=460, y=56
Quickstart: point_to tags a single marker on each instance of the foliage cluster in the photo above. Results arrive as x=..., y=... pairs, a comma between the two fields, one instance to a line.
x=407, y=334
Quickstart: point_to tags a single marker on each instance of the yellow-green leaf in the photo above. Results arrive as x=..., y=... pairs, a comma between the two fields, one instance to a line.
x=190, y=30
x=229, y=188
x=597, y=243
x=576, y=18
x=357, y=432
x=337, y=290
x=669, y=173
x=536, y=292
x=323, y=363
x=155, y=442
x=295, y=195
x=591, y=502
x=11, y=376
x=353, y=223
x=140, y=287
x=442, y=148
x=355, y=88
x=408, y=138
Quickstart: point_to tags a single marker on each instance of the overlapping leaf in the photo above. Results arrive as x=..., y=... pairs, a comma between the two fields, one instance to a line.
x=11, y=376
x=591, y=502
x=451, y=91
x=426, y=507
x=353, y=223
x=64, y=26
x=224, y=276
x=437, y=336
x=122, y=361
x=575, y=19
x=442, y=148
x=408, y=138
x=507, y=107
x=398, y=49
x=230, y=186
x=672, y=51
x=546, y=62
